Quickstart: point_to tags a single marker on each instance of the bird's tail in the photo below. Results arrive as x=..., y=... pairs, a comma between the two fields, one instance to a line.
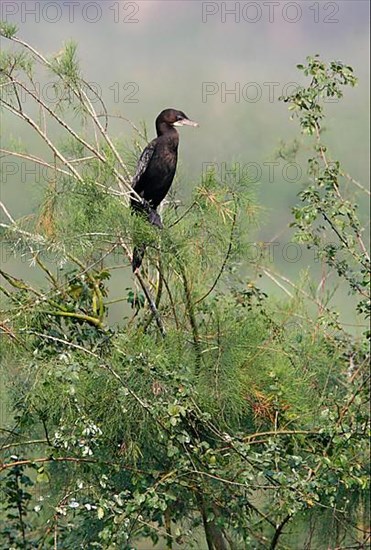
x=138, y=254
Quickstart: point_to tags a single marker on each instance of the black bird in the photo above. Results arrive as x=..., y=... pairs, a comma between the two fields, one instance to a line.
x=155, y=171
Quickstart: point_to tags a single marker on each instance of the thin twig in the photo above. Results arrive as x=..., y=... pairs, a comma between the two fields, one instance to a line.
x=191, y=314
x=280, y=285
x=224, y=261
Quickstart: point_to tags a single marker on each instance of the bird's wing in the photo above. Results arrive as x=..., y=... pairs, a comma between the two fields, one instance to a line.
x=143, y=162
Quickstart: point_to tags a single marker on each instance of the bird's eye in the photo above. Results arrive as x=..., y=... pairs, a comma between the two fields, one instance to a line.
x=179, y=117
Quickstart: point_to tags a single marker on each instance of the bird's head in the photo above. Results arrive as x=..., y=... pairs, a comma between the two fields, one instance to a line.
x=173, y=117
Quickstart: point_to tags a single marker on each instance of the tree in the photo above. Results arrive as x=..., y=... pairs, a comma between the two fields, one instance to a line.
x=214, y=412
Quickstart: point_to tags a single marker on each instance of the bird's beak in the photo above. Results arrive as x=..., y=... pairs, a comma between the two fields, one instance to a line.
x=186, y=122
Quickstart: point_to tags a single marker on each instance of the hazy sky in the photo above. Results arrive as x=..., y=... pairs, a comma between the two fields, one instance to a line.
x=224, y=63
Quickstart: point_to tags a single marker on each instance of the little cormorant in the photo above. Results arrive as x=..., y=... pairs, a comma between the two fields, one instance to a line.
x=155, y=171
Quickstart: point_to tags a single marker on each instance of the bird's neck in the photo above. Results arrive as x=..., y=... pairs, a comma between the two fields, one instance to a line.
x=163, y=128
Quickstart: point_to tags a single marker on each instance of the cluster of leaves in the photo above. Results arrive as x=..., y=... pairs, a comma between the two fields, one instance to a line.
x=327, y=220
x=327, y=81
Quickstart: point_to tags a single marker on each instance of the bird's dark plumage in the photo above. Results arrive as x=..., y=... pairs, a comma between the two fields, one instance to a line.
x=155, y=171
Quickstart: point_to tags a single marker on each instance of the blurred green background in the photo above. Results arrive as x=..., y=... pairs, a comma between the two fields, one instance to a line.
x=148, y=55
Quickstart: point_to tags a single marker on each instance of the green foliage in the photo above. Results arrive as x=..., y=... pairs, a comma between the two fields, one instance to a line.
x=214, y=412
x=16, y=503
x=326, y=81
x=65, y=64
x=8, y=30
x=327, y=220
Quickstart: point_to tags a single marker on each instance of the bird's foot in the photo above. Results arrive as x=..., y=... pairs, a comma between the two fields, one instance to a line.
x=155, y=219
